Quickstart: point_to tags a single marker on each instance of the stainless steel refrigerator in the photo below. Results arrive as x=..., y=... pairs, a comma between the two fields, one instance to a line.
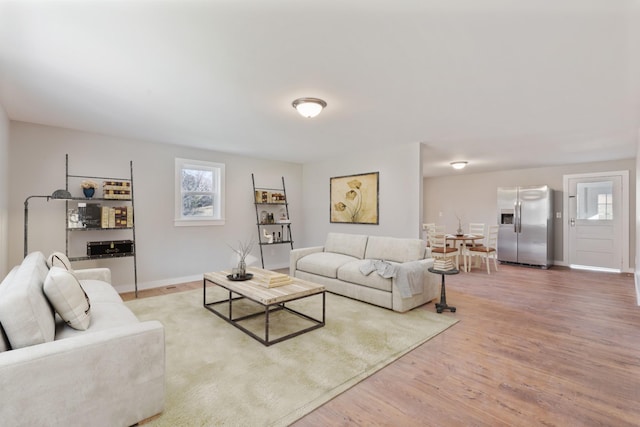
x=525, y=218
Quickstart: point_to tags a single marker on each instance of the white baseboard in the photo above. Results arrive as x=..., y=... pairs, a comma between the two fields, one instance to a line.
x=158, y=283
x=129, y=287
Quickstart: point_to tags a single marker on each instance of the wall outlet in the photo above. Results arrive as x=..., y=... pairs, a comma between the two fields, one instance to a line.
x=558, y=215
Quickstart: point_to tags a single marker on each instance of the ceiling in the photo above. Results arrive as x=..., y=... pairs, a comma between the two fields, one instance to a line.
x=503, y=84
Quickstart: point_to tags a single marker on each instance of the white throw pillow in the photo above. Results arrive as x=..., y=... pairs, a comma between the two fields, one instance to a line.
x=59, y=259
x=67, y=297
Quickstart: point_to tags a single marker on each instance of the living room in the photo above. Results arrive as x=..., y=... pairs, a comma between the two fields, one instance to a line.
x=524, y=95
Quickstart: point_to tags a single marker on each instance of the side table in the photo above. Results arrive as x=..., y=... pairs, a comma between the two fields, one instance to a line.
x=442, y=305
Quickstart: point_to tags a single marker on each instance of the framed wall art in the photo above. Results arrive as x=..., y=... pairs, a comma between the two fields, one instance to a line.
x=354, y=198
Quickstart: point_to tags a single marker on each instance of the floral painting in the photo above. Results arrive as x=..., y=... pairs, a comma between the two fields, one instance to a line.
x=354, y=198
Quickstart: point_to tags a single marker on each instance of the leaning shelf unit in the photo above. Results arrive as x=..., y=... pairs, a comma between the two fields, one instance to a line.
x=272, y=213
x=74, y=201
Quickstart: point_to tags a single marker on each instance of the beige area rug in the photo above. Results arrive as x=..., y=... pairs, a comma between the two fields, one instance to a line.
x=217, y=375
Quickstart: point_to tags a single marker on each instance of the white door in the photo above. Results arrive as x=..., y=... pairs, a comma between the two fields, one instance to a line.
x=597, y=213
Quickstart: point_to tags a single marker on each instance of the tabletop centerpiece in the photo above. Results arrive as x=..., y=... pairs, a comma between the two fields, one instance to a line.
x=243, y=249
x=459, y=231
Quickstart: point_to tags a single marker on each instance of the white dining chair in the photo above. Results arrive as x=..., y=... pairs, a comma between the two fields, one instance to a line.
x=487, y=251
x=477, y=229
x=440, y=249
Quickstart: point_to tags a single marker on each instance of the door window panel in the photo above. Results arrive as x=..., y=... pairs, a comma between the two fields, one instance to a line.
x=595, y=200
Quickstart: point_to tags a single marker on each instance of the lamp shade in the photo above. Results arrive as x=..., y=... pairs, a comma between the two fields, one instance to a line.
x=309, y=107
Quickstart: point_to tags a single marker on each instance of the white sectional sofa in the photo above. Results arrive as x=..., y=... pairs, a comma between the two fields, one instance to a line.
x=385, y=271
x=106, y=370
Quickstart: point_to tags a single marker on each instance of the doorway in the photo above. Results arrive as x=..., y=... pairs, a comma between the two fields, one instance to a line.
x=596, y=226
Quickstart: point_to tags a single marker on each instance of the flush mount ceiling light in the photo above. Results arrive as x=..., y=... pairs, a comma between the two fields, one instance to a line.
x=309, y=107
x=458, y=165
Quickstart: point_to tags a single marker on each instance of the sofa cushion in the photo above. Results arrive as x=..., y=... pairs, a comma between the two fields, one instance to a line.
x=4, y=341
x=104, y=315
x=350, y=272
x=395, y=249
x=324, y=263
x=68, y=298
x=58, y=259
x=100, y=291
x=25, y=313
x=348, y=244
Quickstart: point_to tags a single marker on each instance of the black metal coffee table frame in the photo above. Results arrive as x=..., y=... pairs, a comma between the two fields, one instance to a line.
x=268, y=308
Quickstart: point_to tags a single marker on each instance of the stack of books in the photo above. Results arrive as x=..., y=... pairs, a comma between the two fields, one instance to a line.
x=117, y=217
x=273, y=280
x=116, y=190
x=443, y=264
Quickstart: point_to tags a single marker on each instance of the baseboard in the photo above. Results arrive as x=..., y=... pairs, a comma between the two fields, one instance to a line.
x=637, y=280
x=129, y=287
x=158, y=283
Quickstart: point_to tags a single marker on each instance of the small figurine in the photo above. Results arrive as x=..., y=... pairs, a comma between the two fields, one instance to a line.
x=268, y=237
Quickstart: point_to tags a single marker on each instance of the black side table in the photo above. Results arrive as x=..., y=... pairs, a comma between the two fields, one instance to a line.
x=442, y=305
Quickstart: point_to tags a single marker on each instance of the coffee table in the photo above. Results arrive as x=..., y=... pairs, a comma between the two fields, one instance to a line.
x=268, y=299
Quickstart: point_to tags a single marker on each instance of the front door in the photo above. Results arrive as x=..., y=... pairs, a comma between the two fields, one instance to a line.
x=597, y=213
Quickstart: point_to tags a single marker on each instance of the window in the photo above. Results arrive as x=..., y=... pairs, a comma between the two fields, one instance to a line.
x=595, y=200
x=199, y=193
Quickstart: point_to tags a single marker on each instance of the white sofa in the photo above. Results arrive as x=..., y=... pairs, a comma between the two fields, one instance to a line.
x=110, y=374
x=344, y=266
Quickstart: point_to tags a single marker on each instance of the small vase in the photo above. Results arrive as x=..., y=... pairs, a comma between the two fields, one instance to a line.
x=88, y=192
x=242, y=268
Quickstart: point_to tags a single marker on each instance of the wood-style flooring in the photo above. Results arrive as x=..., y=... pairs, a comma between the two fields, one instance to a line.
x=555, y=347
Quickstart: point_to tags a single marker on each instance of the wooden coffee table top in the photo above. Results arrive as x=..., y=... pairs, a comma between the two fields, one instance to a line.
x=257, y=292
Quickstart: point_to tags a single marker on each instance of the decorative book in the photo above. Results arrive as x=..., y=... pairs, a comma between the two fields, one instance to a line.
x=443, y=264
x=273, y=280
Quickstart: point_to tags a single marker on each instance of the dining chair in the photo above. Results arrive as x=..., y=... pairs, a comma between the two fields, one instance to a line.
x=439, y=248
x=487, y=251
x=478, y=229
x=425, y=229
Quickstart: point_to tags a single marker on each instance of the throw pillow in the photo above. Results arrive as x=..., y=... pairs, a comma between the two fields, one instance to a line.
x=67, y=297
x=58, y=259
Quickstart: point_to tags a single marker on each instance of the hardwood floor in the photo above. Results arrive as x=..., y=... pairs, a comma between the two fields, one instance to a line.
x=553, y=347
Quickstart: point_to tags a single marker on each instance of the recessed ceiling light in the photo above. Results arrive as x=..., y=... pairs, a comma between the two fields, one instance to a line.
x=309, y=107
x=458, y=165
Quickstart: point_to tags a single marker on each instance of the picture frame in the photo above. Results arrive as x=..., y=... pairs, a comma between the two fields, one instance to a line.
x=354, y=198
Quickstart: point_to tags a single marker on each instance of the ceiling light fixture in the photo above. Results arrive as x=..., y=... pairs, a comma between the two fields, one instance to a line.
x=458, y=165
x=309, y=107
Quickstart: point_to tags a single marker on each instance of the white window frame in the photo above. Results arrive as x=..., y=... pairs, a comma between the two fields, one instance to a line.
x=216, y=168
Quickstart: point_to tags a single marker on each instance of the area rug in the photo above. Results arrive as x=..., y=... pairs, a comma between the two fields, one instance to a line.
x=216, y=375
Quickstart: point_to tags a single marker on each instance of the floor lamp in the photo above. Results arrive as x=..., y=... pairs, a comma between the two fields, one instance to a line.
x=56, y=195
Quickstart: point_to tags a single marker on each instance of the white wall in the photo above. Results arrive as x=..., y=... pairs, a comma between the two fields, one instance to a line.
x=165, y=253
x=4, y=192
x=400, y=184
x=474, y=197
x=637, y=223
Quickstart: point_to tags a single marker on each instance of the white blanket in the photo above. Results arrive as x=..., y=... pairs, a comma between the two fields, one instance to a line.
x=408, y=275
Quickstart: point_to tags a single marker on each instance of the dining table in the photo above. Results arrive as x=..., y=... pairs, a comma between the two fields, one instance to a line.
x=459, y=241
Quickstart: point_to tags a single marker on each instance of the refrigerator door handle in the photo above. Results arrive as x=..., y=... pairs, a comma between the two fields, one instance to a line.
x=519, y=216
x=515, y=217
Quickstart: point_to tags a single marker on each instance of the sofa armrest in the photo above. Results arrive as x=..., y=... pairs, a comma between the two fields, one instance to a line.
x=296, y=254
x=109, y=377
x=431, y=289
x=103, y=274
